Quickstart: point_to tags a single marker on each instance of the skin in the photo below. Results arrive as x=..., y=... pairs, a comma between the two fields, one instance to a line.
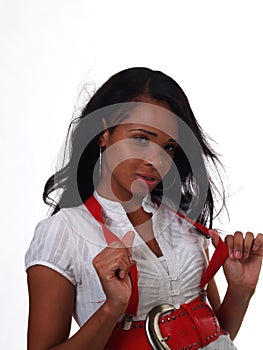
x=138, y=146
x=52, y=296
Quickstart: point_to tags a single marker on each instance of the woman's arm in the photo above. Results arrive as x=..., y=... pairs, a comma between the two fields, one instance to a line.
x=51, y=302
x=52, y=299
x=233, y=309
x=241, y=269
x=213, y=295
x=212, y=291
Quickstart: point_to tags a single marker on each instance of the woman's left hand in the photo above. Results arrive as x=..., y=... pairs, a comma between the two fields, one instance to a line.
x=242, y=267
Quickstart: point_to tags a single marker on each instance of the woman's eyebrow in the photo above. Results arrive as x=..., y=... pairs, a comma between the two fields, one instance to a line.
x=146, y=131
x=151, y=133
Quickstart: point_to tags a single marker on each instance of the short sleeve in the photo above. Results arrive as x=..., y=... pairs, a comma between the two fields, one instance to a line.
x=54, y=246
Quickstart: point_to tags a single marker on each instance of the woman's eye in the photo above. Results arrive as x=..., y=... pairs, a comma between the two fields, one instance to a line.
x=171, y=148
x=141, y=139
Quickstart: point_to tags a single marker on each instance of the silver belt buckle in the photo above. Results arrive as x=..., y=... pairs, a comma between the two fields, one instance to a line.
x=152, y=326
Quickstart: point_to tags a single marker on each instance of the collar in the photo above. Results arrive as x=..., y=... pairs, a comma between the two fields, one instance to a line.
x=114, y=211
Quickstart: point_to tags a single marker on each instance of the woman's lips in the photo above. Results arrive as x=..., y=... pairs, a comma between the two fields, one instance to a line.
x=149, y=179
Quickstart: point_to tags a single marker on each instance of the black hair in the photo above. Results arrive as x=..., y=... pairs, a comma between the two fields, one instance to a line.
x=75, y=180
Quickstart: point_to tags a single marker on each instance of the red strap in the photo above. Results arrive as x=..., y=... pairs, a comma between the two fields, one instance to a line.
x=217, y=260
x=95, y=209
x=220, y=253
x=134, y=298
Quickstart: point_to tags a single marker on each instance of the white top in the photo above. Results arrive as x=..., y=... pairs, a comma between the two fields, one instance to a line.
x=69, y=240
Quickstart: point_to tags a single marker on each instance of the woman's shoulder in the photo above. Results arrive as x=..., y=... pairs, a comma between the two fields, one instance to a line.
x=55, y=246
x=58, y=222
x=74, y=224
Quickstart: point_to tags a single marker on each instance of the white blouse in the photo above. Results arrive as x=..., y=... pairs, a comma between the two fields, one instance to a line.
x=69, y=240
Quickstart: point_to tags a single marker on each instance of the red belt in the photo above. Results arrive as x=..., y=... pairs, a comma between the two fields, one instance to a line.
x=192, y=326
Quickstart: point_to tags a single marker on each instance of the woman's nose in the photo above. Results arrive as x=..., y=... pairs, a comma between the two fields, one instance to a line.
x=155, y=157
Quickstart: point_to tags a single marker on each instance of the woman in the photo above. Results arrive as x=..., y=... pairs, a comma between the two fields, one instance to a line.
x=118, y=243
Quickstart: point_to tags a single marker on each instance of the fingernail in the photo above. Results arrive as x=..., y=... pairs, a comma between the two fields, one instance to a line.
x=246, y=255
x=121, y=274
x=238, y=254
x=255, y=247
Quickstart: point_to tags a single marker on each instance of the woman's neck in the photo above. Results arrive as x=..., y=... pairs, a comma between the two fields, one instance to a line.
x=139, y=218
x=130, y=202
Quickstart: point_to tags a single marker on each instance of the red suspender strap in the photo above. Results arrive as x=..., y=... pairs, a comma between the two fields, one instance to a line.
x=220, y=253
x=217, y=260
x=94, y=208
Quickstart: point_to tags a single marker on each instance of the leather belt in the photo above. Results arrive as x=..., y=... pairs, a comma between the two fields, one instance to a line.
x=192, y=326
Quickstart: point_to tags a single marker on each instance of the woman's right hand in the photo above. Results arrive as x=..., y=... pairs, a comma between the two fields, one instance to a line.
x=52, y=302
x=112, y=265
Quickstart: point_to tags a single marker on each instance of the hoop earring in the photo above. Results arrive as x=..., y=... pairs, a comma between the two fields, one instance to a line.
x=100, y=161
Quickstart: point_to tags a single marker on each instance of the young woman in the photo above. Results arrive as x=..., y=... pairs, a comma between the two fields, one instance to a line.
x=126, y=241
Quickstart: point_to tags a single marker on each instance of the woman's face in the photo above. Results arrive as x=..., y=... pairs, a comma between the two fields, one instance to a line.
x=139, y=152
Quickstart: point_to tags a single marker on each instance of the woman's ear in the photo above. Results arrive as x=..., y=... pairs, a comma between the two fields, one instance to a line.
x=104, y=136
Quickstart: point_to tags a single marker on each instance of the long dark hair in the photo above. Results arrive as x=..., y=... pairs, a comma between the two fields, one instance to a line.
x=75, y=180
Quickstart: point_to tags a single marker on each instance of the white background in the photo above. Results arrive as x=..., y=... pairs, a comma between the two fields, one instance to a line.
x=50, y=48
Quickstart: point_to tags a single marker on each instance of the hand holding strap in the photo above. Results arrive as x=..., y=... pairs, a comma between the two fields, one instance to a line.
x=217, y=260
x=96, y=211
